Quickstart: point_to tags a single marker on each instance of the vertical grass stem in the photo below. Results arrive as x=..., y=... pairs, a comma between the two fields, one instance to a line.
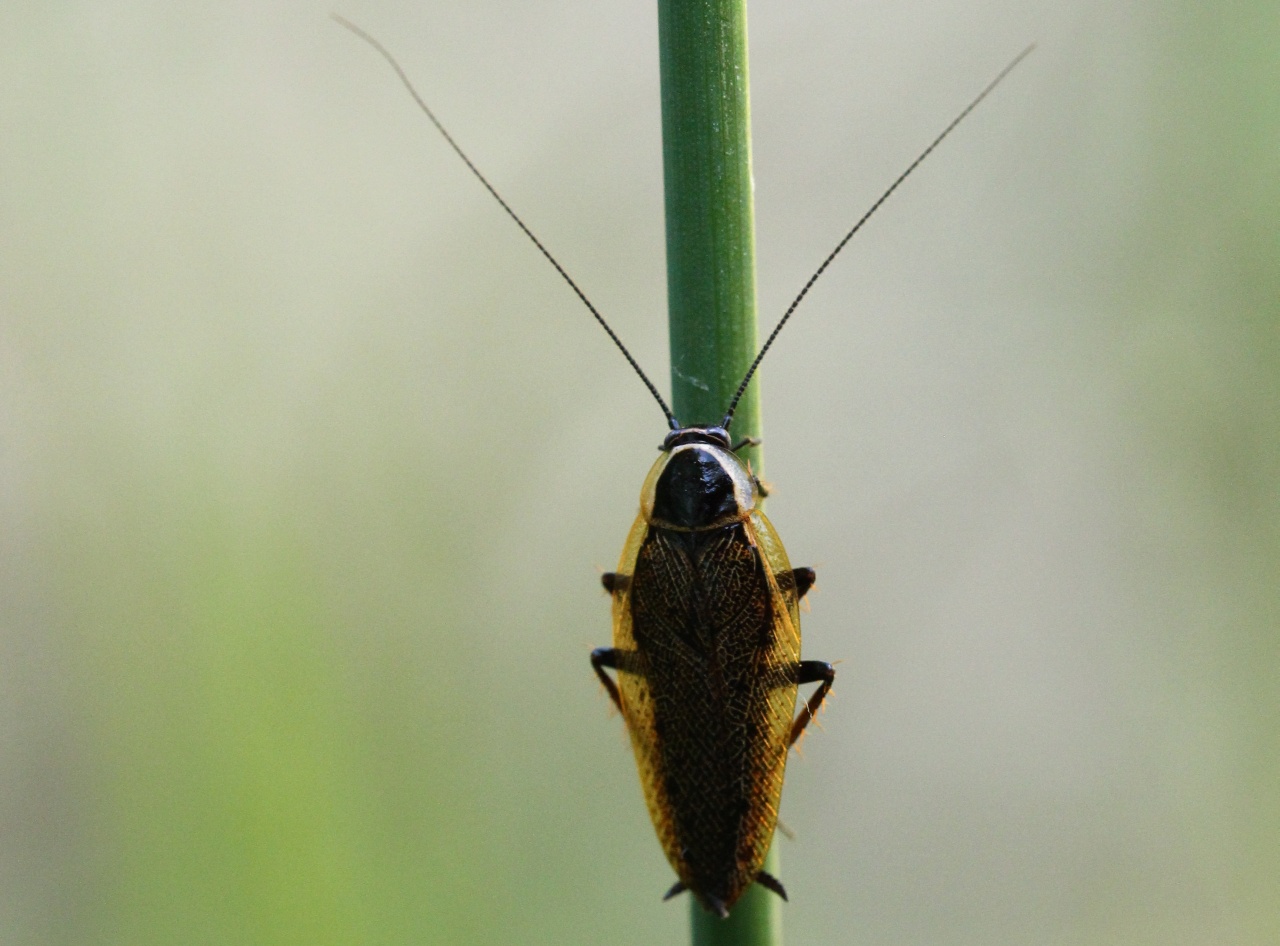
x=711, y=282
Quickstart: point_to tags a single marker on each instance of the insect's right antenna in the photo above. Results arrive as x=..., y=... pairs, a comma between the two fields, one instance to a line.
x=426, y=110
x=742, y=387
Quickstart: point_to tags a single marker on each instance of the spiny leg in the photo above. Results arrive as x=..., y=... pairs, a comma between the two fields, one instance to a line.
x=761, y=486
x=603, y=657
x=767, y=880
x=714, y=905
x=812, y=671
x=804, y=577
x=677, y=888
x=796, y=582
x=613, y=582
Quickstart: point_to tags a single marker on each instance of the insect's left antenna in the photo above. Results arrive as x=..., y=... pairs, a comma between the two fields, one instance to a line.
x=426, y=110
x=742, y=387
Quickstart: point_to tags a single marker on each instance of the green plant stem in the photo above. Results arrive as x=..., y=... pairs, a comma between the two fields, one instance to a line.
x=706, y=147
x=711, y=283
x=756, y=919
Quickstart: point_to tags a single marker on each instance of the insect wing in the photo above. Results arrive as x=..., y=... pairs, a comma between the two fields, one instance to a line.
x=766, y=709
x=638, y=708
x=776, y=679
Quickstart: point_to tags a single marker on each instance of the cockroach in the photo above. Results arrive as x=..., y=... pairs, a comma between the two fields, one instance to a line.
x=706, y=621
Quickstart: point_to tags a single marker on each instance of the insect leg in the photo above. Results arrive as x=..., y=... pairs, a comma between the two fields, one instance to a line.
x=714, y=905
x=613, y=582
x=677, y=888
x=603, y=657
x=812, y=671
x=796, y=582
x=766, y=879
x=804, y=579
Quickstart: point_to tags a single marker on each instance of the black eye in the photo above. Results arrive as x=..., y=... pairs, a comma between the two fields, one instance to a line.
x=719, y=436
x=714, y=436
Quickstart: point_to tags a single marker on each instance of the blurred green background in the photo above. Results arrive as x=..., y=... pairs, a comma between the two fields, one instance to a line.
x=309, y=463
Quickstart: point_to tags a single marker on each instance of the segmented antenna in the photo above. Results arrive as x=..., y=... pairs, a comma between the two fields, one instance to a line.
x=426, y=110
x=737, y=396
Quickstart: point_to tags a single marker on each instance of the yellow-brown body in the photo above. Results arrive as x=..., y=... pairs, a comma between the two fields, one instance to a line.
x=706, y=645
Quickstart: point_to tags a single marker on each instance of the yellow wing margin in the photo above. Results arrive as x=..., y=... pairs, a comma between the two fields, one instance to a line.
x=776, y=678
x=637, y=700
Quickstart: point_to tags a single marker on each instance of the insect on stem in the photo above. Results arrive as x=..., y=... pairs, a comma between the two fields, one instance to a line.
x=705, y=664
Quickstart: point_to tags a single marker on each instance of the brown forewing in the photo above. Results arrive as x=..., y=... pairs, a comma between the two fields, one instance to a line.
x=703, y=618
